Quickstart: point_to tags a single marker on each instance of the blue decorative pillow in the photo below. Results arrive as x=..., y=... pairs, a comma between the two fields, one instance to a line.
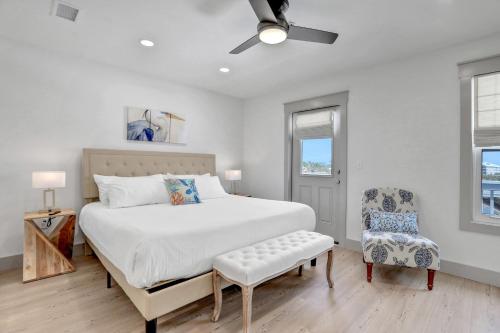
x=182, y=191
x=393, y=222
x=410, y=225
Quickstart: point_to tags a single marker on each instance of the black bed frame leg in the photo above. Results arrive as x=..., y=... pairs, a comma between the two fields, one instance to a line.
x=108, y=280
x=151, y=326
x=313, y=262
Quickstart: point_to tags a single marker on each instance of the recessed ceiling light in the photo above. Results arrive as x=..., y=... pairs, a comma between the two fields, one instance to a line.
x=147, y=43
x=224, y=69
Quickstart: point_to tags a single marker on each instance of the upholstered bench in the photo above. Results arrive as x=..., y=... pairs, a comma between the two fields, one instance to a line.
x=252, y=265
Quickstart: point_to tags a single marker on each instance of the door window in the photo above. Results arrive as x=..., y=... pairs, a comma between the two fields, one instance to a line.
x=316, y=157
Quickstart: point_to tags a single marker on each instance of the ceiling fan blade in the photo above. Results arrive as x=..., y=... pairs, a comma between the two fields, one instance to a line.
x=263, y=11
x=311, y=35
x=246, y=45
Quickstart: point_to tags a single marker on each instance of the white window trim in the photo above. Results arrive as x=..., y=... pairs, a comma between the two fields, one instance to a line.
x=471, y=218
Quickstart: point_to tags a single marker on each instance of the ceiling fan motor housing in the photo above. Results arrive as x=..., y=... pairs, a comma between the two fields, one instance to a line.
x=283, y=25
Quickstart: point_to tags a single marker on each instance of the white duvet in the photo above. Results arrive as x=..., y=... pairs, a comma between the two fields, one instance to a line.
x=159, y=242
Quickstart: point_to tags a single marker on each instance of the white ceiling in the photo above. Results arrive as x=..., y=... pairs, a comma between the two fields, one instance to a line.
x=194, y=37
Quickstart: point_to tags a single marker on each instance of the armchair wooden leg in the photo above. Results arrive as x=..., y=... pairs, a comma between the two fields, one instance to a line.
x=430, y=278
x=313, y=262
x=369, y=267
x=301, y=267
x=329, y=264
x=217, y=295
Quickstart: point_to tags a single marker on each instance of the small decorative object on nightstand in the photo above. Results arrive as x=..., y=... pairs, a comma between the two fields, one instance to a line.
x=233, y=176
x=48, y=244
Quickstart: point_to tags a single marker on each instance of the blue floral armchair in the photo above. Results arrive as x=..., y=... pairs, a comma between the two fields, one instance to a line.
x=390, y=248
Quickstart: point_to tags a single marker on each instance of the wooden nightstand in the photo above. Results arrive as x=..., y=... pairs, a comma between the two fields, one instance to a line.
x=48, y=251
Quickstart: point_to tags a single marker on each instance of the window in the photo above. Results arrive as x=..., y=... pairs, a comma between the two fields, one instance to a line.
x=316, y=157
x=314, y=132
x=486, y=108
x=490, y=182
x=480, y=146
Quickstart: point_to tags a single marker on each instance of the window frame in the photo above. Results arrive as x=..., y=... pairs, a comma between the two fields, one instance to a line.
x=471, y=218
x=331, y=156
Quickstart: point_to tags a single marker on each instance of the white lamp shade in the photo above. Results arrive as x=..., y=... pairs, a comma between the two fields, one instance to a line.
x=233, y=174
x=48, y=179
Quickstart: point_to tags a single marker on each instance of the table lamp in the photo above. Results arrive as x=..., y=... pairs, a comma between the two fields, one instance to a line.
x=48, y=180
x=233, y=176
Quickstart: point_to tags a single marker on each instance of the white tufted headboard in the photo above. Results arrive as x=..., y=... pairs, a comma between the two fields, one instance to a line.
x=129, y=163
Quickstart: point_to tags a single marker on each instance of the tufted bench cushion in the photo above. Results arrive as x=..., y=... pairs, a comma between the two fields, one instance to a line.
x=252, y=264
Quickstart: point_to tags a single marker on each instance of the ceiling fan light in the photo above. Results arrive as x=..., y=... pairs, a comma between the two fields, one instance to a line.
x=272, y=35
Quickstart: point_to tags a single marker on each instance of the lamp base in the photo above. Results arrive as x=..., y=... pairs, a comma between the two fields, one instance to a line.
x=233, y=187
x=49, y=208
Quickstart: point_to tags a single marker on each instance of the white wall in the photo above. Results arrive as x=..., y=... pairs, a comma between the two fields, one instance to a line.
x=403, y=129
x=52, y=106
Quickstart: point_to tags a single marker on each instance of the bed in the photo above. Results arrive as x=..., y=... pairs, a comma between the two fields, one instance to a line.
x=161, y=255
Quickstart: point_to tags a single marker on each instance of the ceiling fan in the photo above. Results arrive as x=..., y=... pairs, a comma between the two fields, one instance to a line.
x=273, y=28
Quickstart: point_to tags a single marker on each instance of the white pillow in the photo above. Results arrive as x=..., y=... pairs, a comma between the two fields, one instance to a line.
x=209, y=187
x=119, y=192
x=102, y=183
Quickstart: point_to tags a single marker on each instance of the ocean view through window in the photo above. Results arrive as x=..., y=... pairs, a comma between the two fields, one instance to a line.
x=316, y=157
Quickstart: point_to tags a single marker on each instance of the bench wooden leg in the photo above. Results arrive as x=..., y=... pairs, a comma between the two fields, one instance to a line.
x=329, y=265
x=247, y=293
x=217, y=295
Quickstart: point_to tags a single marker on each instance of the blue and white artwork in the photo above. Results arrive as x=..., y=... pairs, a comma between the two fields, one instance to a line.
x=155, y=126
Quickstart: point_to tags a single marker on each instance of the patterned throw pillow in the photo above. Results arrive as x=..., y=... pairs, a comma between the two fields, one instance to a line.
x=182, y=191
x=393, y=222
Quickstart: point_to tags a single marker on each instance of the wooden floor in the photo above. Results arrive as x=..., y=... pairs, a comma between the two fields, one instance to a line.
x=396, y=301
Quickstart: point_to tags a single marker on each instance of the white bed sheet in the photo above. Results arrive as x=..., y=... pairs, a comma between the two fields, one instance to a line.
x=154, y=243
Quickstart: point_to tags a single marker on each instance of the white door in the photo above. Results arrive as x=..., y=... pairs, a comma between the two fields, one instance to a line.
x=317, y=162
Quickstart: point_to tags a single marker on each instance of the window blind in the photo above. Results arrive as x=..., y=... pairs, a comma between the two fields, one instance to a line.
x=313, y=124
x=487, y=110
